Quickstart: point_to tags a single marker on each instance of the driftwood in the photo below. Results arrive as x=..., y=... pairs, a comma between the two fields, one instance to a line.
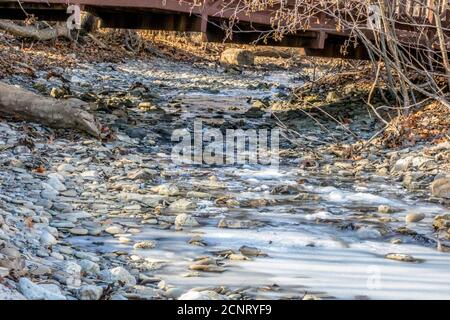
x=35, y=33
x=25, y=105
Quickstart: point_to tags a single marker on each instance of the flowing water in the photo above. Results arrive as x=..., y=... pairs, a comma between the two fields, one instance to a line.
x=311, y=242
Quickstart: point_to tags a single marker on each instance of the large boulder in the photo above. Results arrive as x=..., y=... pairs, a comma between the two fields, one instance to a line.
x=237, y=57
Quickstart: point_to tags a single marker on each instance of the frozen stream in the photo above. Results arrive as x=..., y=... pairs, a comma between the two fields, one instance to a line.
x=312, y=244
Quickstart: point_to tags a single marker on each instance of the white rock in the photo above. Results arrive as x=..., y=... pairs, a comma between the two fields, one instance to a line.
x=57, y=176
x=73, y=278
x=34, y=291
x=88, y=266
x=182, y=205
x=368, y=233
x=166, y=190
x=4, y=272
x=79, y=231
x=122, y=275
x=186, y=220
x=47, y=239
x=90, y=292
x=10, y=294
x=144, y=245
x=202, y=295
x=56, y=183
x=89, y=175
x=65, y=167
x=402, y=164
x=151, y=200
x=87, y=255
x=174, y=293
x=49, y=192
x=114, y=230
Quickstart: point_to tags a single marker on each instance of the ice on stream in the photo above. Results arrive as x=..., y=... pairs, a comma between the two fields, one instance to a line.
x=303, y=256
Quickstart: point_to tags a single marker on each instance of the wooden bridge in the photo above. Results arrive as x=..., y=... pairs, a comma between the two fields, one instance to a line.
x=321, y=37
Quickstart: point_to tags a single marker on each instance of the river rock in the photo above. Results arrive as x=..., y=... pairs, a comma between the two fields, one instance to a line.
x=142, y=174
x=47, y=239
x=79, y=231
x=237, y=257
x=89, y=267
x=238, y=57
x=4, y=272
x=383, y=208
x=166, y=190
x=120, y=274
x=10, y=294
x=199, y=195
x=115, y=229
x=186, y=220
x=174, y=293
x=400, y=257
x=440, y=188
x=66, y=167
x=90, y=292
x=368, y=233
x=34, y=291
x=441, y=222
x=48, y=193
x=402, y=164
x=206, y=268
x=254, y=112
x=55, y=181
x=251, y=251
x=148, y=244
x=414, y=217
x=182, y=205
x=237, y=224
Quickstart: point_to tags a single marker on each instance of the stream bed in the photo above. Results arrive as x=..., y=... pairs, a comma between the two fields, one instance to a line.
x=279, y=233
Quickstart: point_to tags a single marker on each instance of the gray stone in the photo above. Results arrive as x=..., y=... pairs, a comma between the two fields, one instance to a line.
x=186, y=220
x=114, y=230
x=34, y=291
x=89, y=266
x=148, y=244
x=182, y=205
x=90, y=292
x=79, y=231
x=121, y=275
x=47, y=239
x=10, y=294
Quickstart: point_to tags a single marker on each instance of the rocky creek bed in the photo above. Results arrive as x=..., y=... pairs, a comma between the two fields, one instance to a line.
x=118, y=219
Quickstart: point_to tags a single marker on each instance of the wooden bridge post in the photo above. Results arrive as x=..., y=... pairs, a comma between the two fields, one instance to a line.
x=204, y=22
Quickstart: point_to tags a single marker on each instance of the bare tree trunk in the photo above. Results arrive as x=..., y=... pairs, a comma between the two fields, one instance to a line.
x=89, y=23
x=25, y=105
x=32, y=32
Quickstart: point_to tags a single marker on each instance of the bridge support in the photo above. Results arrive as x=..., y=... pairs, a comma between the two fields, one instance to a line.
x=174, y=16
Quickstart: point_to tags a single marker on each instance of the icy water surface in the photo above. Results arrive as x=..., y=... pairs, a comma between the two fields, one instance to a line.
x=314, y=244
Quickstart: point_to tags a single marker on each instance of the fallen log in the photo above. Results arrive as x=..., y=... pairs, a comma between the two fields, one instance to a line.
x=35, y=33
x=67, y=114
